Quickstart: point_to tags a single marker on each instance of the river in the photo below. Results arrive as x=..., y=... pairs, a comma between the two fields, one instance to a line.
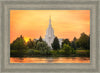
x=50, y=60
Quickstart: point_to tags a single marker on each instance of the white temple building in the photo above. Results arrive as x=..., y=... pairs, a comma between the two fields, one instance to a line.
x=49, y=37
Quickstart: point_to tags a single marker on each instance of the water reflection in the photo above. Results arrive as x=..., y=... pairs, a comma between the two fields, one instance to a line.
x=50, y=60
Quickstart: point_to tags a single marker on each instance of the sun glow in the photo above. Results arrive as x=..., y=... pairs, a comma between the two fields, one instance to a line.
x=26, y=39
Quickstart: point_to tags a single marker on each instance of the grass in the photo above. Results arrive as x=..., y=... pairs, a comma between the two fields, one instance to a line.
x=82, y=51
x=78, y=53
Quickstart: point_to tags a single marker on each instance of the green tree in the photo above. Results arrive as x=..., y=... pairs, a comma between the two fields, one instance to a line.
x=73, y=44
x=31, y=44
x=55, y=44
x=43, y=48
x=67, y=49
x=19, y=46
x=65, y=41
x=40, y=39
x=83, y=41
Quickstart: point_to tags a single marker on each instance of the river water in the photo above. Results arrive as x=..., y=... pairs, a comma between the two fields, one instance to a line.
x=50, y=60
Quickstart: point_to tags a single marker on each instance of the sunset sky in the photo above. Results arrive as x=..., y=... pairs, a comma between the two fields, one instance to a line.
x=34, y=23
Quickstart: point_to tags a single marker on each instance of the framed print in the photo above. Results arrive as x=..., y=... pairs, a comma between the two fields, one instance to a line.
x=49, y=36
x=59, y=45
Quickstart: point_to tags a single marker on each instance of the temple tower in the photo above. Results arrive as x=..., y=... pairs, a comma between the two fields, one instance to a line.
x=49, y=37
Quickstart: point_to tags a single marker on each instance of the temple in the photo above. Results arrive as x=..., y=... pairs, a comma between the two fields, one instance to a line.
x=49, y=37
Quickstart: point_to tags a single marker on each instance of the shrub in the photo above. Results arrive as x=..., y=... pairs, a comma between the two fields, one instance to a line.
x=30, y=52
x=13, y=53
x=43, y=48
x=67, y=49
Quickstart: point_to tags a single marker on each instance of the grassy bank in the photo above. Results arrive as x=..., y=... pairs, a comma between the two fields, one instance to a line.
x=52, y=53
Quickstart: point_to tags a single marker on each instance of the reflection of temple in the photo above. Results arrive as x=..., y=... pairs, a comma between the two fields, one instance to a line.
x=49, y=37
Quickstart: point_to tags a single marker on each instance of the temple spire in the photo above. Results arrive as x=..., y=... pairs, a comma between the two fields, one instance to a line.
x=50, y=20
x=49, y=37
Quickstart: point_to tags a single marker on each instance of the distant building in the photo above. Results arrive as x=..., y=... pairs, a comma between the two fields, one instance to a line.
x=49, y=37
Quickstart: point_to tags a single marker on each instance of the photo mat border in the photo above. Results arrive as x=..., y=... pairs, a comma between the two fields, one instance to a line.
x=3, y=31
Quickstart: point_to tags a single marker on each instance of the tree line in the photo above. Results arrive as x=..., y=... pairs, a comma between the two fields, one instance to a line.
x=39, y=48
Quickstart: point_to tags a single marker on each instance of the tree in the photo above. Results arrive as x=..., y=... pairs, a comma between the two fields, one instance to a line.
x=65, y=41
x=31, y=44
x=73, y=44
x=83, y=41
x=43, y=48
x=19, y=46
x=67, y=49
x=55, y=44
x=40, y=39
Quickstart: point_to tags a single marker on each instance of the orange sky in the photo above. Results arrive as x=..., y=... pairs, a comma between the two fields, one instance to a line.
x=33, y=23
